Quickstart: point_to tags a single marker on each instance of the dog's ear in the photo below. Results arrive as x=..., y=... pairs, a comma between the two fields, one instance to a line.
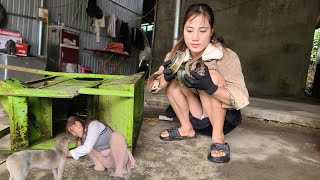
x=57, y=140
x=65, y=139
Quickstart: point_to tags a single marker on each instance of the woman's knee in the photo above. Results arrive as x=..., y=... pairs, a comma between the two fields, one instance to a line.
x=209, y=101
x=217, y=78
x=175, y=89
x=117, y=137
x=172, y=87
x=93, y=153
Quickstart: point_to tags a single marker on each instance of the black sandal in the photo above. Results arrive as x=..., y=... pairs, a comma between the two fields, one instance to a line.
x=222, y=148
x=174, y=135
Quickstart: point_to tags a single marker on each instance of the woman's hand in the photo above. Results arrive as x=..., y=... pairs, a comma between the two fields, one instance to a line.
x=168, y=76
x=200, y=82
x=79, y=142
x=69, y=154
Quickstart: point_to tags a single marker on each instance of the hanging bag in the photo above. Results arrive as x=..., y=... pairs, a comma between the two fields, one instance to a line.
x=3, y=17
x=11, y=47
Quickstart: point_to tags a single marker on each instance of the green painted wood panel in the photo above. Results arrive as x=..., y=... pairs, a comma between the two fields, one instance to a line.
x=18, y=114
x=41, y=110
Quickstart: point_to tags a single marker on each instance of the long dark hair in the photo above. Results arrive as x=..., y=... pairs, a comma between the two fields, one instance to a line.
x=195, y=10
x=72, y=120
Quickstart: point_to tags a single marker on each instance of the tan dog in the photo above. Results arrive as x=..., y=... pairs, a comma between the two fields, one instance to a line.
x=20, y=163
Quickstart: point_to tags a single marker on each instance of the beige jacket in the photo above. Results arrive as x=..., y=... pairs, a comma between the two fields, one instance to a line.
x=227, y=63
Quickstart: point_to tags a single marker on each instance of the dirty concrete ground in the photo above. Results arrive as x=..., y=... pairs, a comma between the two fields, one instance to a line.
x=259, y=151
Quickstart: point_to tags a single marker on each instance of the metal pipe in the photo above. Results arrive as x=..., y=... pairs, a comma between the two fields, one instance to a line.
x=40, y=32
x=176, y=22
x=20, y=15
x=154, y=25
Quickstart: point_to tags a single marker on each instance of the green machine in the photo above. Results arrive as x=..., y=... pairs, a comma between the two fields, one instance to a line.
x=113, y=99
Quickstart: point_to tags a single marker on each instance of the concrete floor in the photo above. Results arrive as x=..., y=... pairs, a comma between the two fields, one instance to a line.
x=259, y=150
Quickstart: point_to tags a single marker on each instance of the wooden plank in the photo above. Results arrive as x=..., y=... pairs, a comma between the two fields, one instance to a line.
x=94, y=91
x=54, y=82
x=11, y=83
x=73, y=75
x=73, y=85
x=4, y=132
x=41, y=109
x=4, y=156
x=18, y=115
x=38, y=93
x=39, y=80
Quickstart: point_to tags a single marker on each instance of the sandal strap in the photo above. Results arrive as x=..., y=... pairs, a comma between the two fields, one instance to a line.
x=220, y=147
x=173, y=132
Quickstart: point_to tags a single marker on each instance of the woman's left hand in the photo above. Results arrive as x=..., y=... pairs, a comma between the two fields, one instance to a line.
x=79, y=142
x=69, y=154
x=200, y=82
x=168, y=76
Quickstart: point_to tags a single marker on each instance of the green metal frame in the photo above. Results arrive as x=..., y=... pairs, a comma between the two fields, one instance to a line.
x=123, y=113
x=118, y=101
